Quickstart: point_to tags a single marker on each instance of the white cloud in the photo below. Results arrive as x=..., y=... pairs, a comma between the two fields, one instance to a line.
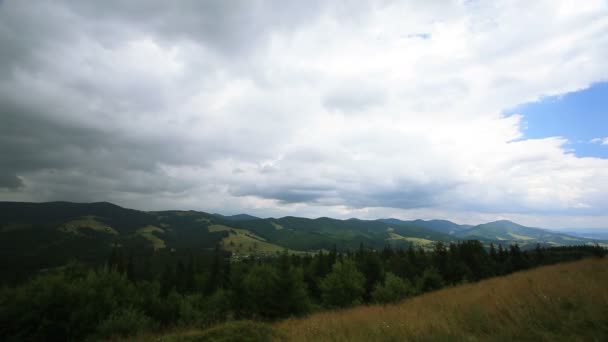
x=602, y=141
x=338, y=111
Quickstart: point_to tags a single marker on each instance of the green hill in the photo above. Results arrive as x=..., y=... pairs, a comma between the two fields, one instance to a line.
x=441, y=226
x=509, y=232
x=38, y=236
x=325, y=233
x=237, y=217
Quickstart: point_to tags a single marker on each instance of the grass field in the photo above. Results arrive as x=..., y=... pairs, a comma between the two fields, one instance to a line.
x=521, y=237
x=89, y=222
x=244, y=242
x=416, y=241
x=565, y=302
x=156, y=242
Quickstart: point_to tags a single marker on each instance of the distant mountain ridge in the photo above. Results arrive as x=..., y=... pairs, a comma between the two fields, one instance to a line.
x=238, y=217
x=442, y=226
x=43, y=235
x=505, y=230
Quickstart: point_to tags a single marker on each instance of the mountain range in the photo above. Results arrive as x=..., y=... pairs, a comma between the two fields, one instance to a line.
x=44, y=235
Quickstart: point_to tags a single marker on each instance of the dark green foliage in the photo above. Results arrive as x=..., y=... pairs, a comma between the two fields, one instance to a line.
x=291, y=290
x=344, y=286
x=430, y=280
x=186, y=288
x=260, y=286
x=216, y=308
x=65, y=306
x=270, y=291
x=124, y=322
x=373, y=271
x=393, y=289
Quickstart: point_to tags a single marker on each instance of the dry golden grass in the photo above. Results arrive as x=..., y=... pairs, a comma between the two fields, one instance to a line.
x=565, y=302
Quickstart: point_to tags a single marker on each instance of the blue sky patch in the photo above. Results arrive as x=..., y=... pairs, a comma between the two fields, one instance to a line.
x=579, y=116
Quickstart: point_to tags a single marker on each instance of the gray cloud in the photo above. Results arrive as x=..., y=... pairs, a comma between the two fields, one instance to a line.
x=9, y=181
x=232, y=28
x=356, y=96
x=232, y=105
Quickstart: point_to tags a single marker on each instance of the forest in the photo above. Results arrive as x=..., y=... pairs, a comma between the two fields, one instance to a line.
x=131, y=294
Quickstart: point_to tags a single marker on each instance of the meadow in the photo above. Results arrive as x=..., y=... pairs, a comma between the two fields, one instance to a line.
x=563, y=302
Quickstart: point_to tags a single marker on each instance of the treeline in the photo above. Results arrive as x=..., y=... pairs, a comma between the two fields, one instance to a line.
x=131, y=294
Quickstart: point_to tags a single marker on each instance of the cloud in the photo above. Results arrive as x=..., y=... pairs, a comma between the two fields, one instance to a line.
x=317, y=109
x=601, y=141
x=354, y=96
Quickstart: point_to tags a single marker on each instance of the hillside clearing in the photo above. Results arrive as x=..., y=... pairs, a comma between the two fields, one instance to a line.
x=416, y=241
x=244, y=242
x=89, y=222
x=147, y=232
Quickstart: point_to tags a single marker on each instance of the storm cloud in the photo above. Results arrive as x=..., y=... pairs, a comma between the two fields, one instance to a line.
x=309, y=108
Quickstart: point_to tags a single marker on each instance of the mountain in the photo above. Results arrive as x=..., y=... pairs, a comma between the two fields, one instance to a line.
x=36, y=236
x=442, y=226
x=510, y=232
x=238, y=217
x=324, y=233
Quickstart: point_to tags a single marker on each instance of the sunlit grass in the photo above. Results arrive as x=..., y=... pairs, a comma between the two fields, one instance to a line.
x=566, y=302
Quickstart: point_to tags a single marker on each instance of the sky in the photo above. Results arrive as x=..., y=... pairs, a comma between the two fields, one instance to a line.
x=580, y=116
x=471, y=111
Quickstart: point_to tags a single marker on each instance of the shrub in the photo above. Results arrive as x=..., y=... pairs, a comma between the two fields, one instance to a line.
x=430, y=280
x=124, y=322
x=215, y=308
x=344, y=286
x=392, y=290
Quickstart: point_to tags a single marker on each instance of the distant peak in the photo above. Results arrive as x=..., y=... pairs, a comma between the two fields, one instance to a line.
x=505, y=223
x=238, y=217
x=107, y=204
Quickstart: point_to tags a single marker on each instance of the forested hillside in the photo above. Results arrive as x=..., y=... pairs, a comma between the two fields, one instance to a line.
x=130, y=295
x=42, y=236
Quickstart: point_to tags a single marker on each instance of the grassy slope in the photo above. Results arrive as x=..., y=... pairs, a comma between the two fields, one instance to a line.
x=566, y=302
x=241, y=241
x=89, y=222
x=416, y=241
x=148, y=233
